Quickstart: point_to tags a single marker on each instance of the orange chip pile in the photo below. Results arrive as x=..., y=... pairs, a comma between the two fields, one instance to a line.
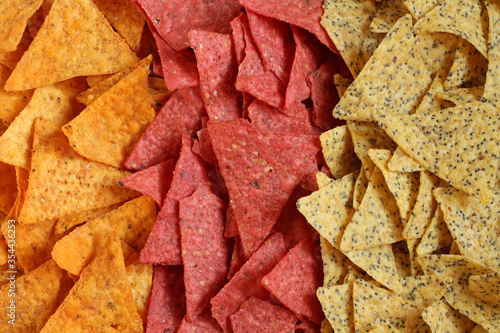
x=249, y=166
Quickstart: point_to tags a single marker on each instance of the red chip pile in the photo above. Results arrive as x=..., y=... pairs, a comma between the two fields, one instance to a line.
x=227, y=157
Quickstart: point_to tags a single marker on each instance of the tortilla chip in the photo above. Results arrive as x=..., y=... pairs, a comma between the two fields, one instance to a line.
x=348, y=25
x=377, y=220
x=203, y=323
x=466, y=156
x=441, y=317
x=418, y=8
x=329, y=209
x=485, y=286
x=459, y=96
x=8, y=187
x=133, y=221
x=338, y=151
x=66, y=223
x=334, y=264
x=54, y=162
x=12, y=102
x=125, y=18
x=140, y=278
x=472, y=224
x=401, y=162
x=403, y=58
x=15, y=15
x=49, y=103
x=341, y=84
x=10, y=59
x=468, y=20
x=491, y=86
x=101, y=298
x=107, y=130
x=65, y=48
x=388, y=13
x=359, y=189
x=436, y=236
x=402, y=257
x=469, y=64
x=337, y=305
x=35, y=300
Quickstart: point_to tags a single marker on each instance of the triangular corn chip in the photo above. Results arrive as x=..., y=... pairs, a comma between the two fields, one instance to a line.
x=485, y=286
x=15, y=14
x=338, y=151
x=469, y=64
x=441, y=317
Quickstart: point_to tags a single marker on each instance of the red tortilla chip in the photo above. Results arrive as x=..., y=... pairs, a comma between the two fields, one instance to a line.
x=246, y=282
x=163, y=245
x=295, y=279
x=253, y=78
x=324, y=95
x=275, y=43
x=309, y=54
x=162, y=140
x=258, y=315
x=205, y=251
x=303, y=13
x=203, y=147
x=153, y=181
x=260, y=169
x=168, y=301
x=231, y=226
x=217, y=68
x=204, y=323
x=175, y=18
x=238, y=36
x=238, y=259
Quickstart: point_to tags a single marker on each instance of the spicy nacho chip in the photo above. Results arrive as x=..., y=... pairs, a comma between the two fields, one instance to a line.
x=15, y=14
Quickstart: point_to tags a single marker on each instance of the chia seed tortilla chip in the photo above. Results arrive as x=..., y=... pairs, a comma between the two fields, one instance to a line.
x=359, y=189
x=418, y=8
x=441, y=317
x=401, y=162
x=153, y=181
x=388, y=13
x=338, y=151
x=436, y=236
x=56, y=175
x=205, y=251
x=334, y=264
x=460, y=145
x=15, y=14
x=341, y=83
x=490, y=89
x=459, y=96
x=94, y=48
x=258, y=315
x=217, y=68
x=162, y=139
x=468, y=65
x=101, y=298
x=269, y=178
x=246, y=282
x=485, y=286
x=337, y=305
x=49, y=103
x=107, y=130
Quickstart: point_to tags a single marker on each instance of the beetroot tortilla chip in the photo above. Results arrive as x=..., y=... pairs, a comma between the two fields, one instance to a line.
x=168, y=301
x=261, y=169
x=246, y=282
x=203, y=323
x=164, y=243
x=217, y=68
x=153, y=181
x=303, y=13
x=238, y=35
x=309, y=54
x=178, y=67
x=203, y=147
x=295, y=279
x=275, y=43
x=162, y=140
x=258, y=315
x=173, y=19
x=324, y=95
x=253, y=78
x=231, y=229
x=205, y=251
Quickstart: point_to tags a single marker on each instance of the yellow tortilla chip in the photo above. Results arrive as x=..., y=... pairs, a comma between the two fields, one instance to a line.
x=442, y=318
x=341, y=84
x=74, y=40
x=348, y=25
x=387, y=328
x=15, y=14
x=401, y=162
x=107, y=130
x=402, y=257
x=485, y=286
x=376, y=221
x=133, y=222
x=474, y=226
x=468, y=65
x=459, y=96
x=359, y=189
x=418, y=8
x=431, y=101
x=424, y=289
x=491, y=87
x=329, y=209
x=8, y=187
x=323, y=179
x=140, y=278
x=35, y=295
x=126, y=18
x=436, y=236
x=337, y=305
x=388, y=13
x=334, y=264
x=338, y=151
x=401, y=57
x=62, y=182
x=460, y=144
x=326, y=327
x=49, y=103
x=100, y=299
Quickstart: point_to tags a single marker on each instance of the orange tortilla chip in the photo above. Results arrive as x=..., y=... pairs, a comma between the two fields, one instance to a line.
x=49, y=103
x=133, y=222
x=107, y=130
x=62, y=182
x=8, y=187
x=12, y=102
x=101, y=299
x=66, y=223
x=36, y=296
x=74, y=40
x=15, y=14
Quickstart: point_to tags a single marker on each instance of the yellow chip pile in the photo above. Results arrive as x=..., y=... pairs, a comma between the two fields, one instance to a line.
x=411, y=240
